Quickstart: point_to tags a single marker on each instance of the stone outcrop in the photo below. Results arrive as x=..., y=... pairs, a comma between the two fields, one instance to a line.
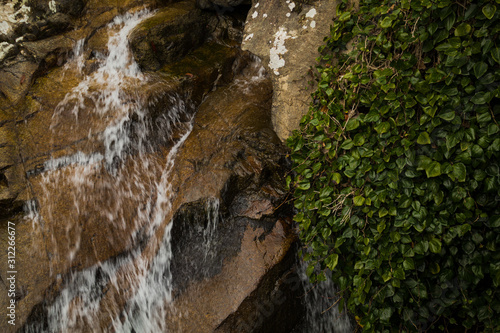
x=232, y=156
x=286, y=36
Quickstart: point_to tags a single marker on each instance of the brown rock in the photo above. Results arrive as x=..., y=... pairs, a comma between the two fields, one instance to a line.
x=169, y=35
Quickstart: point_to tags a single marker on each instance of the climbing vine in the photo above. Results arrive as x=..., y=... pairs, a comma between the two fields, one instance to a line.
x=397, y=168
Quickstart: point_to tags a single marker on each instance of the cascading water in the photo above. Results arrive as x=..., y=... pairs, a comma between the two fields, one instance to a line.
x=131, y=191
x=322, y=313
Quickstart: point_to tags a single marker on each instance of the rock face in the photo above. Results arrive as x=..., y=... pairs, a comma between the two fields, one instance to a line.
x=169, y=35
x=286, y=36
x=90, y=221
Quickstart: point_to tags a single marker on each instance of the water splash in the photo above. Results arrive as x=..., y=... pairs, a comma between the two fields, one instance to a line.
x=119, y=185
x=253, y=73
x=322, y=313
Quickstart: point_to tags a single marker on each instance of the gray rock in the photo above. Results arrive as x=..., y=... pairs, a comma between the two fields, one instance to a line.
x=286, y=37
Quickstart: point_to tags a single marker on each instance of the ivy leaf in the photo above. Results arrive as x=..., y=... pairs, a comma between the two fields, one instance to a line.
x=399, y=273
x=450, y=21
x=386, y=314
x=480, y=68
x=481, y=98
x=448, y=115
x=463, y=29
x=408, y=264
x=434, y=267
x=305, y=185
x=359, y=139
x=423, y=162
x=332, y=261
x=310, y=270
x=459, y=171
x=495, y=221
x=345, y=16
x=386, y=22
x=383, y=127
x=433, y=169
x=359, y=200
x=424, y=139
x=352, y=124
x=336, y=178
x=489, y=10
x=495, y=54
x=435, y=245
x=347, y=144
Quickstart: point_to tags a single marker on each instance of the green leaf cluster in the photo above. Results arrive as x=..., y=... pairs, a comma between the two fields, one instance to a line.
x=397, y=168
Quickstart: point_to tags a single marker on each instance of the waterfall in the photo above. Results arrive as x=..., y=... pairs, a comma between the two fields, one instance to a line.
x=209, y=233
x=320, y=299
x=112, y=179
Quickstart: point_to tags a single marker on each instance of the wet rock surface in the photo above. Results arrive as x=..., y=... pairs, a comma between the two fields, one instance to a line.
x=169, y=35
x=232, y=157
x=240, y=162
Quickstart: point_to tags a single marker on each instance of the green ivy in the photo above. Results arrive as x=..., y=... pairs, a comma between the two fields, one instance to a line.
x=397, y=168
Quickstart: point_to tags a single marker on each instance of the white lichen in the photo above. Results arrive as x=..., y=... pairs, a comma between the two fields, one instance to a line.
x=313, y=24
x=264, y=16
x=249, y=37
x=257, y=5
x=311, y=13
x=255, y=14
x=20, y=16
x=4, y=27
x=52, y=6
x=291, y=6
x=5, y=50
x=276, y=60
x=287, y=14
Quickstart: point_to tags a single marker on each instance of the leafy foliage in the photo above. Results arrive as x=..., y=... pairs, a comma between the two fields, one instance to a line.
x=397, y=169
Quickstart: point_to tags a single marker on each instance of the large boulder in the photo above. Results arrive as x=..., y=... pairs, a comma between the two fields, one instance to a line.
x=286, y=36
x=234, y=155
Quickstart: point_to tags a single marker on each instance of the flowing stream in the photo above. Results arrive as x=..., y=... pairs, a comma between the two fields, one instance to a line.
x=116, y=174
x=322, y=313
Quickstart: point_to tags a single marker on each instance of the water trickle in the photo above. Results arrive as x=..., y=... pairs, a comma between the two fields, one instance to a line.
x=322, y=313
x=209, y=233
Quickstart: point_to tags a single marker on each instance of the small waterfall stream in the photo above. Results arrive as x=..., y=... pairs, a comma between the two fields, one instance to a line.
x=320, y=299
x=111, y=178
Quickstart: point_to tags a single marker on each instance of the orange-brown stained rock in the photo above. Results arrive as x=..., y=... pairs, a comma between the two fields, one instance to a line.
x=225, y=154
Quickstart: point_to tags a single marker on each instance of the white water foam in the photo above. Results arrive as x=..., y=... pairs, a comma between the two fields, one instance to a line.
x=322, y=313
x=100, y=181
